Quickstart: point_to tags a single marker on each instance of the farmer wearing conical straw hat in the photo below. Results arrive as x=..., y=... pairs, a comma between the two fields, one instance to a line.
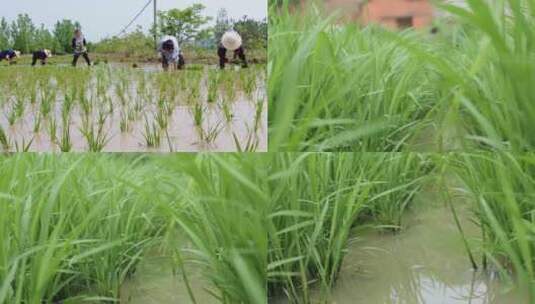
x=79, y=45
x=9, y=55
x=170, y=52
x=41, y=55
x=231, y=41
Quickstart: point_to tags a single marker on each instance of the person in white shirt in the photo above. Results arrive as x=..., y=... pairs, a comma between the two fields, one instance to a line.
x=170, y=52
x=79, y=45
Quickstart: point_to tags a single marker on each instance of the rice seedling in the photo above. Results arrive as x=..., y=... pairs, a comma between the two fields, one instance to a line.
x=319, y=199
x=124, y=124
x=162, y=119
x=259, y=110
x=251, y=145
x=226, y=107
x=12, y=116
x=213, y=85
x=346, y=87
x=96, y=139
x=65, y=142
x=198, y=114
x=37, y=123
x=23, y=146
x=113, y=99
x=501, y=187
x=75, y=236
x=4, y=139
x=211, y=133
x=52, y=129
x=152, y=134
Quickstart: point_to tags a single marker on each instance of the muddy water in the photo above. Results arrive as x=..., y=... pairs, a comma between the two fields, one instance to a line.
x=181, y=135
x=425, y=263
x=155, y=283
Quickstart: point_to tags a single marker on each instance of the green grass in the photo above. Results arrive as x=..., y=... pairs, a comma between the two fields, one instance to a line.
x=256, y=226
x=344, y=87
x=502, y=189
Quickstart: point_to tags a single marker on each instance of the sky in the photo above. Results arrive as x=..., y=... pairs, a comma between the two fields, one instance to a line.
x=105, y=18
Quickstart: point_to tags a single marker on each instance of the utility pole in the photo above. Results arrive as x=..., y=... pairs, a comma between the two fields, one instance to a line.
x=155, y=24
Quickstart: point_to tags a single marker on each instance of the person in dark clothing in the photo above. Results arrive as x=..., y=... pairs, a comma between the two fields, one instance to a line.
x=41, y=55
x=79, y=45
x=171, y=54
x=231, y=40
x=9, y=55
x=239, y=53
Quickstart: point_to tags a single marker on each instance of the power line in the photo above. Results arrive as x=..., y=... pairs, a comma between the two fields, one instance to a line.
x=135, y=18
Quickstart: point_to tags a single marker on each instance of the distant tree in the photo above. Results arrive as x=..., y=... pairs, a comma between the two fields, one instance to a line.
x=135, y=43
x=254, y=33
x=5, y=35
x=43, y=39
x=184, y=24
x=63, y=32
x=22, y=33
x=222, y=24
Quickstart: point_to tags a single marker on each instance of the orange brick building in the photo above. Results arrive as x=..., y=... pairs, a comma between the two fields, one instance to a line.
x=391, y=13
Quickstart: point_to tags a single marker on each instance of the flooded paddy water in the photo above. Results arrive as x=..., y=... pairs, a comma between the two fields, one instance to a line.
x=424, y=263
x=116, y=108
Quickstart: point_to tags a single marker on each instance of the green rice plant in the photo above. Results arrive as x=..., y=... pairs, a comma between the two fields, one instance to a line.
x=248, y=81
x=152, y=134
x=502, y=189
x=162, y=118
x=213, y=85
x=226, y=107
x=65, y=142
x=76, y=226
x=343, y=87
x=231, y=253
x=24, y=146
x=37, y=122
x=96, y=139
x=259, y=110
x=4, y=139
x=317, y=200
x=211, y=133
x=228, y=83
x=124, y=124
x=48, y=98
x=12, y=116
x=198, y=113
x=52, y=128
x=251, y=145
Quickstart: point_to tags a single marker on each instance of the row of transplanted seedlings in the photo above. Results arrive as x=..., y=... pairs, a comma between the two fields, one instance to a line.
x=53, y=96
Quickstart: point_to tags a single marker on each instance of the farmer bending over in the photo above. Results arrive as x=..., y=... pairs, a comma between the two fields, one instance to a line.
x=42, y=55
x=170, y=52
x=232, y=41
x=79, y=46
x=9, y=55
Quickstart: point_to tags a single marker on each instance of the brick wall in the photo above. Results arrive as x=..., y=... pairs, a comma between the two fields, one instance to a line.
x=391, y=13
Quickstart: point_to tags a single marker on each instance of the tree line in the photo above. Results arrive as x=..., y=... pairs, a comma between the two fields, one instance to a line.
x=23, y=35
x=189, y=25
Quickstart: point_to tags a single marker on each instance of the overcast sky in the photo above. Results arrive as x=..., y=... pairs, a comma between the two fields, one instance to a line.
x=103, y=18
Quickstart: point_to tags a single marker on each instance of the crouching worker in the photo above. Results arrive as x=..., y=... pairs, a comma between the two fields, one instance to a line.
x=9, y=55
x=170, y=52
x=41, y=55
x=79, y=45
x=232, y=41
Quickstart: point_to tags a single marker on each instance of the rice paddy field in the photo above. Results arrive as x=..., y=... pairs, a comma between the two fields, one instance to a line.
x=346, y=87
x=267, y=228
x=117, y=108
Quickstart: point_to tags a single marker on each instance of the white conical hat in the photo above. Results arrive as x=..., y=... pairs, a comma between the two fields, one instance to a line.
x=48, y=53
x=231, y=40
x=17, y=53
